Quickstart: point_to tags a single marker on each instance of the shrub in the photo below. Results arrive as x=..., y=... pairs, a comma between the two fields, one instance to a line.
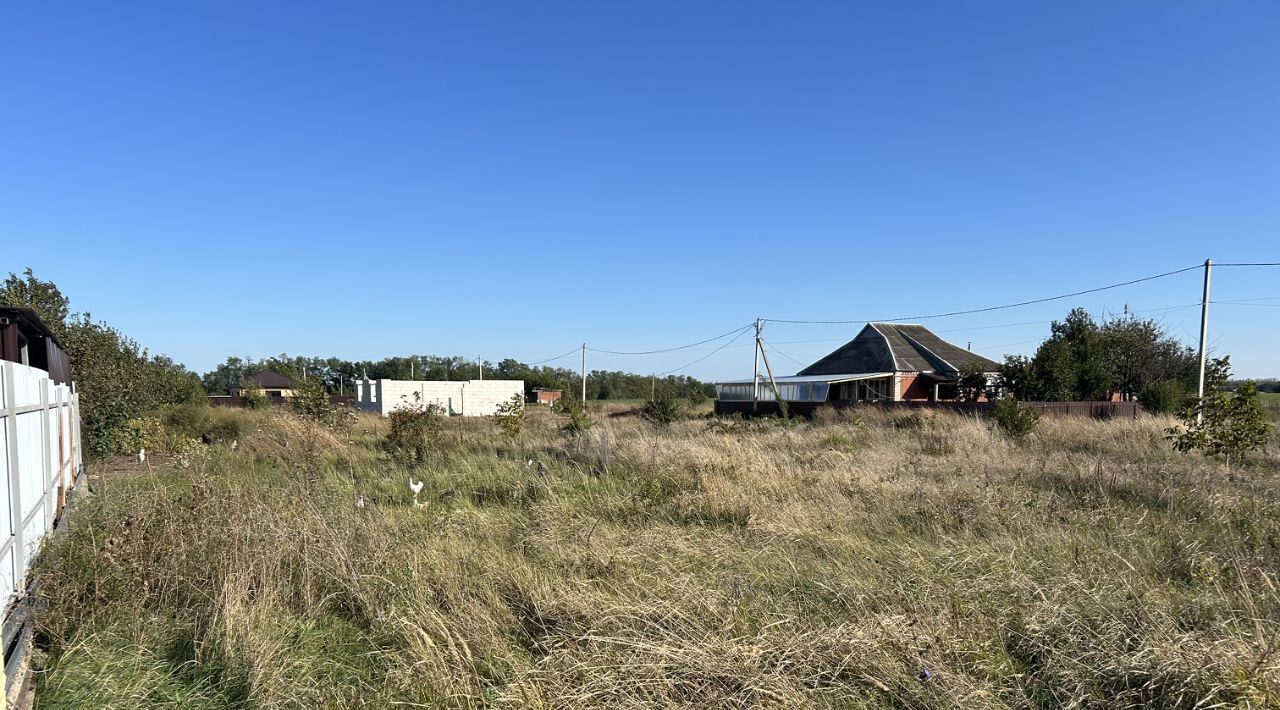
x=416, y=430
x=1015, y=419
x=1163, y=397
x=139, y=433
x=196, y=422
x=664, y=408
x=510, y=416
x=253, y=398
x=312, y=401
x=1223, y=424
x=576, y=418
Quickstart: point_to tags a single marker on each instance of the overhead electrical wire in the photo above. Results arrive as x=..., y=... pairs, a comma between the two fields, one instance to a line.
x=551, y=359
x=1266, y=263
x=741, y=331
x=995, y=308
x=671, y=350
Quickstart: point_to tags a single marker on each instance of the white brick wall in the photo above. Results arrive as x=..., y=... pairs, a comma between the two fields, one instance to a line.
x=472, y=398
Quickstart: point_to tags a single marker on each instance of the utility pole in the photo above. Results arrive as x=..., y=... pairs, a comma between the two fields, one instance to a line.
x=480, y=361
x=584, y=374
x=755, y=373
x=773, y=384
x=411, y=360
x=653, y=386
x=1204, y=331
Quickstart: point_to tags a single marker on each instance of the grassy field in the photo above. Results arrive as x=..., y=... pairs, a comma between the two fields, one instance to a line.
x=915, y=562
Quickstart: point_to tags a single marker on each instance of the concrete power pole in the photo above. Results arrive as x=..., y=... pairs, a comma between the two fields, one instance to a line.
x=1204, y=332
x=480, y=362
x=755, y=373
x=584, y=374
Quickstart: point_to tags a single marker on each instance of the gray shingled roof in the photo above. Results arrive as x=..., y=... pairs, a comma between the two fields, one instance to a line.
x=901, y=347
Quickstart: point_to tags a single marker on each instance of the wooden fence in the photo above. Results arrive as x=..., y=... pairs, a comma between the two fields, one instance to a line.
x=41, y=460
x=1095, y=410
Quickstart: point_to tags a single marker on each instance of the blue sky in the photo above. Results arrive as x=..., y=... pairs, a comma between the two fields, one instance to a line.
x=512, y=179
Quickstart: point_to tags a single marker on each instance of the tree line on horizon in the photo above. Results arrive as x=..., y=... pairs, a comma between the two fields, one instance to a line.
x=337, y=374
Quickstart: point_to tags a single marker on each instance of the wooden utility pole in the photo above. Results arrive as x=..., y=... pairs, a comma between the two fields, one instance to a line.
x=755, y=373
x=584, y=374
x=1204, y=331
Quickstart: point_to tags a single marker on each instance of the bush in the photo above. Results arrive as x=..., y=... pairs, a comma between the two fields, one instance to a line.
x=1015, y=419
x=251, y=397
x=1163, y=397
x=577, y=420
x=1223, y=424
x=416, y=430
x=510, y=416
x=139, y=433
x=197, y=422
x=310, y=400
x=664, y=408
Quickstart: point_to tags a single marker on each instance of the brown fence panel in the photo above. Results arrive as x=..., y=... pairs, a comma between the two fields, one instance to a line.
x=1094, y=410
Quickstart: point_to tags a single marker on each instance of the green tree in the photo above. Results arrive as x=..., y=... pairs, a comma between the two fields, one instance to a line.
x=1137, y=353
x=43, y=297
x=973, y=382
x=1015, y=419
x=577, y=420
x=1016, y=378
x=1068, y=366
x=664, y=407
x=510, y=416
x=1224, y=424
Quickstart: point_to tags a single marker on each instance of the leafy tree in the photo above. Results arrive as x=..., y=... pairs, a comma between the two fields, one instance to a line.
x=116, y=377
x=1068, y=366
x=43, y=297
x=973, y=382
x=1016, y=378
x=510, y=416
x=1223, y=424
x=1136, y=353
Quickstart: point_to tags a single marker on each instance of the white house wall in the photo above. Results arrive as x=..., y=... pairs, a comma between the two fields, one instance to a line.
x=472, y=398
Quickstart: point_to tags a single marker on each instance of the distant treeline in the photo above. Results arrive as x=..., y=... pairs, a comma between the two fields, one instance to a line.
x=337, y=374
x=1269, y=384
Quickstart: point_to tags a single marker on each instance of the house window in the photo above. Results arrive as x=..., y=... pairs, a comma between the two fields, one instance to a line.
x=864, y=390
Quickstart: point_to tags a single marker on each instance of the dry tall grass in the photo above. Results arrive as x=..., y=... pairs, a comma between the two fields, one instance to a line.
x=881, y=562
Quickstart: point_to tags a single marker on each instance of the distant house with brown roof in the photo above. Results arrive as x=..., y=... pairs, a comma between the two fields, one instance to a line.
x=885, y=362
x=272, y=384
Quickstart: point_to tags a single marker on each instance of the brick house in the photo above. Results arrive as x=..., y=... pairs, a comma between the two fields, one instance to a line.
x=893, y=362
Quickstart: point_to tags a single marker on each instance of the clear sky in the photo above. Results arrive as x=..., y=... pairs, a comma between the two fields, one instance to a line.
x=512, y=179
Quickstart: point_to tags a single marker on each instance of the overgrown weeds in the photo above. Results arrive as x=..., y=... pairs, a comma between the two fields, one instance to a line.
x=723, y=564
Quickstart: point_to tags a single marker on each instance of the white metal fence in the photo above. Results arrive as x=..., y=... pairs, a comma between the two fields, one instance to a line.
x=40, y=459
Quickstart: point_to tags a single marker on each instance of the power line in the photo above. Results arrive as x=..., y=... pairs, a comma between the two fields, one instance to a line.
x=997, y=308
x=670, y=350
x=741, y=331
x=557, y=357
x=1271, y=263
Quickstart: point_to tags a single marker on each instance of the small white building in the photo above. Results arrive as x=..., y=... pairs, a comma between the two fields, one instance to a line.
x=470, y=398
